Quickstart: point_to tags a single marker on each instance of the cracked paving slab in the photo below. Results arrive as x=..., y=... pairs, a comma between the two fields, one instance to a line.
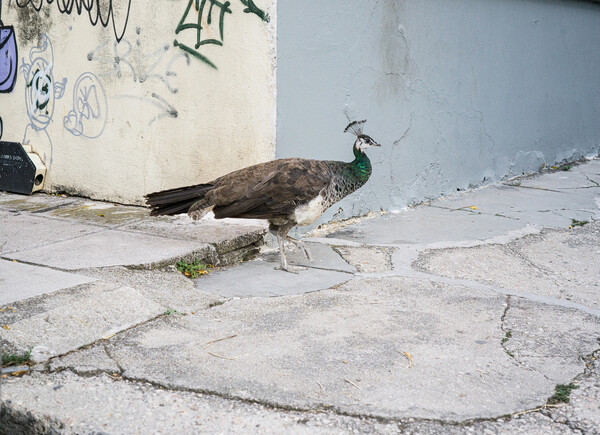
x=74, y=317
x=150, y=409
x=109, y=248
x=260, y=278
x=344, y=349
x=167, y=287
x=550, y=340
x=548, y=208
x=422, y=225
x=20, y=281
x=108, y=405
x=562, y=264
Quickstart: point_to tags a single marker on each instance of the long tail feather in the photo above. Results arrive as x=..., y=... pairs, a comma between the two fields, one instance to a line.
x=175, y=201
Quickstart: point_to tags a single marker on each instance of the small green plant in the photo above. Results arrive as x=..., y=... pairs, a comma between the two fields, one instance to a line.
x=195, y=269
x=12, y=359
x=510, y=354
x=215, y=304
x=576, y=223
x=171, y=311
x=507, y=336
x=562, y=393
x=566, y=168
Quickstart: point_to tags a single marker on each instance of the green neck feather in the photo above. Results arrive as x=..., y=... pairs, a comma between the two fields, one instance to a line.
x=361, y=165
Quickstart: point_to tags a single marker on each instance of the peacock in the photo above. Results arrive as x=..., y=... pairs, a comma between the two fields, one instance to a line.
x=286, y=192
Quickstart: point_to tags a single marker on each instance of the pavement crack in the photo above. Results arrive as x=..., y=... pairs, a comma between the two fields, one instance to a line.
x=99, y=342
x=507, y=337
x=592, y=181
x=507, y=332
x=111, y=357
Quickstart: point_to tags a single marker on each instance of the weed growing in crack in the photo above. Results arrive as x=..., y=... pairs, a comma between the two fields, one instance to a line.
x=172, y=311
x=215, y=304
x=562, y=393
x=13, y=359
x=576, y=223
x=195, y=269
x=507, y=336
x=510, y=354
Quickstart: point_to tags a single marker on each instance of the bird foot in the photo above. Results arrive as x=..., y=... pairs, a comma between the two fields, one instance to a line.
x=292, y=269
x=302, y=246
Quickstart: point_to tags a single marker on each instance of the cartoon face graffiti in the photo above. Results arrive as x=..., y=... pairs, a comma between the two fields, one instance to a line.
x=8, y=59
x=90, y=108
x=41, y=90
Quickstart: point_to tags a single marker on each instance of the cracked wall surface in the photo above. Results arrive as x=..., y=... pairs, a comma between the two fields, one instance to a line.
x=458, y=93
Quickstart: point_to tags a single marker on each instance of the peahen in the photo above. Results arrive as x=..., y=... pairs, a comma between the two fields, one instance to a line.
x=286, y=192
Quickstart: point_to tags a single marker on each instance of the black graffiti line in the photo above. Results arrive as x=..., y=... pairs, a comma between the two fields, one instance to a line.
x=89, y=6
x=114, y=61
x=157, y=101
x=167, y=108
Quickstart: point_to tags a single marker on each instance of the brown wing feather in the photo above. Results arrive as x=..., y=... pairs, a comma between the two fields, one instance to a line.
x=275, y=190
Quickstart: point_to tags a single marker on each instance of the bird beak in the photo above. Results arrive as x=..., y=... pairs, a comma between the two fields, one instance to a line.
x=375, y=144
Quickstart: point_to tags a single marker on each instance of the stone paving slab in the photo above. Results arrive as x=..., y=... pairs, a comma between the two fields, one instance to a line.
x=344, y=349
x=424, y=225
x=113, y=406
x=323, y=257
x=561, y=264
x=205, y=230
x=75, y=317
x=585, y=175
x=261, y=279
x=110, y=248
x=36, y=202
x=20, y=232
x=541, y=207
x=20, y=281
x=168, y=288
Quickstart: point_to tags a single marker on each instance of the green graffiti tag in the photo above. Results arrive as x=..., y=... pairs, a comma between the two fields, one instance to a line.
x=251, y=8
x=200, y=10
x=200, y=5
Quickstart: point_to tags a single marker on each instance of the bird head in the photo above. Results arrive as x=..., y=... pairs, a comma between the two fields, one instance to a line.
x=363, y=141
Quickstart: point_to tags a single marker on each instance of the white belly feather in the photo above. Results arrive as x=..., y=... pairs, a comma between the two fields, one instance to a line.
x=308, y=213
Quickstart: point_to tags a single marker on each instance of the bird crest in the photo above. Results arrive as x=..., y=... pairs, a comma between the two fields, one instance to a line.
x=355, y=127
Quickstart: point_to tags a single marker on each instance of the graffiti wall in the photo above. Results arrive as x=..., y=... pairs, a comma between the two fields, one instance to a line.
x=120, y=98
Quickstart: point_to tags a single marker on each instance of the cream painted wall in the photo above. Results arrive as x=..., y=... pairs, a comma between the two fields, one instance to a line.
x=158, y=117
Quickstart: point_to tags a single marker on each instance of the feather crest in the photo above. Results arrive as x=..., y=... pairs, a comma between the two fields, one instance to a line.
x=355, y=127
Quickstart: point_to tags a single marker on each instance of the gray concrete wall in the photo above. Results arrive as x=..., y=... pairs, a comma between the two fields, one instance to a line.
x=459, y=93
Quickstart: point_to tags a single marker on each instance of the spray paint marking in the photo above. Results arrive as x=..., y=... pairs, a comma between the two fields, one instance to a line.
x=93, y=8
x=204, y=22
x=8, y=58
x=90, y=108
x=251, y=8
x=200, y=8
x=41, y=91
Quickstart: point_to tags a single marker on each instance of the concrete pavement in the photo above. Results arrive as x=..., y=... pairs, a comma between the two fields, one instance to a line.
x=458, y=316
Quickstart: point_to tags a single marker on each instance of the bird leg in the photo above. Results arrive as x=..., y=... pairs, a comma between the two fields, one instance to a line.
x=281, y=233
x=300, y=244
